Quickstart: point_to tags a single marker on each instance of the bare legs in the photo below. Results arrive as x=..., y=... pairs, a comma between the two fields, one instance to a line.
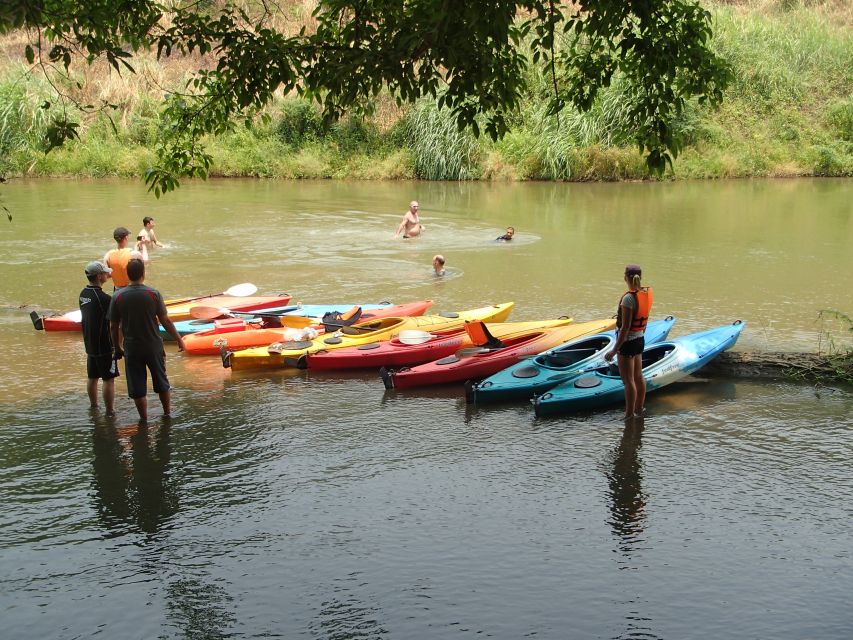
x=109, y=393
x=166, y=401
x=631, y=372
x=142, y=405
x=92, y=390
x=142, y=408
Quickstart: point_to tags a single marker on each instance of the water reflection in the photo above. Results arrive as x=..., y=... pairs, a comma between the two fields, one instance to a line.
x=200, y=609
x=132, y=486
x=346, y=617
x=628, y=517
x=627, y=500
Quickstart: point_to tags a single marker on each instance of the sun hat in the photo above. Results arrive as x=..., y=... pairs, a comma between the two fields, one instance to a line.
x=94, y=268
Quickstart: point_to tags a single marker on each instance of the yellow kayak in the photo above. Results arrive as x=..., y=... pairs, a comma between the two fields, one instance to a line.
x=284, y=354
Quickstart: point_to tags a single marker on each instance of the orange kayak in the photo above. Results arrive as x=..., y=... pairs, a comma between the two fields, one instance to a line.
x=236, y=335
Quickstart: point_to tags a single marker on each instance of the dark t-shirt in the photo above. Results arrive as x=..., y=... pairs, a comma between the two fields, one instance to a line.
x=137, y=306
x=94, y=305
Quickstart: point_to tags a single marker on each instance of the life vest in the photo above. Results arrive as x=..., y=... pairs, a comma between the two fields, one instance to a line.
x=644, y=298
x=117, y=260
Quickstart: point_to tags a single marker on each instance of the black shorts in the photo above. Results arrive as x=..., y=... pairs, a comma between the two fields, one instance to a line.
x=633, y=347
x=104, y=367
x=137, y=379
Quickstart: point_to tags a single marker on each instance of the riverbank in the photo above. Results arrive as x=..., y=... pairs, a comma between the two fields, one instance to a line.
x=788, y=112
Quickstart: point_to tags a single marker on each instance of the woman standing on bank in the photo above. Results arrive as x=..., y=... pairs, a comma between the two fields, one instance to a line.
x=631, y=318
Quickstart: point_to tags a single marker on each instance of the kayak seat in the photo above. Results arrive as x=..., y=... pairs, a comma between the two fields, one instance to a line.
x=448, y=314
x=613, y=369
x=480, y=335
x=567, y=357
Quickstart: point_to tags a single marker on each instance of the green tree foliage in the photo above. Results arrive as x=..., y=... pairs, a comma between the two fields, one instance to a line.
x=471, y=56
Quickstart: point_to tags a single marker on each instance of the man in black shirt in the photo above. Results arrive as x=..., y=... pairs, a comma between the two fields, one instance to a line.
x=138, y=310
x=94, y=304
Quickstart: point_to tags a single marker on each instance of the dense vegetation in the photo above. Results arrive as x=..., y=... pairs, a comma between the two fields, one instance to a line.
x=788, y=111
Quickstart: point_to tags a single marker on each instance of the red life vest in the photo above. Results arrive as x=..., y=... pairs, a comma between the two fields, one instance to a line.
x=644, y=298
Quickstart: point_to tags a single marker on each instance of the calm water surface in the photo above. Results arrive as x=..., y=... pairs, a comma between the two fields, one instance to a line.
x=291, y=504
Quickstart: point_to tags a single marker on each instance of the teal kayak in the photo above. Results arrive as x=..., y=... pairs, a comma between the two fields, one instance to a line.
x=536, y=375
x=663, y=363
x=186, y=327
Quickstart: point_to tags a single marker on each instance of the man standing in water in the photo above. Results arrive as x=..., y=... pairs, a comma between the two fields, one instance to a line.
x=100, y=364
x=117, y=258
x=136, y=310
x=411, y=225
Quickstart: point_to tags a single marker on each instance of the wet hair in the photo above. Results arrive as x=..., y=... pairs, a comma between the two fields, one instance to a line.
x=135, y=269
x=439, y=259
x=511, y=229
x=146, y=220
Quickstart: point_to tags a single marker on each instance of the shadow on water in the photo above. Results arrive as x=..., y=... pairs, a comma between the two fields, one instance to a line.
x=132, y=484
x=135, y=490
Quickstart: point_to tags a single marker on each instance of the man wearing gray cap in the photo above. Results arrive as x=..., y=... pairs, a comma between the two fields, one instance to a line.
x=94, y=304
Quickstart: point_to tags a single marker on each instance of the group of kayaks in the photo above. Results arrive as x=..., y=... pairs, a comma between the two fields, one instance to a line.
x=557, y=364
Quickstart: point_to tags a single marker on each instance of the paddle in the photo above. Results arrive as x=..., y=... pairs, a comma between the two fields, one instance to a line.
x=237, y=291
x=210, y=313
x=414, y=336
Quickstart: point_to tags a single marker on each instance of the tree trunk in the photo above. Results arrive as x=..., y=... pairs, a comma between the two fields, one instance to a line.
x=775, y=364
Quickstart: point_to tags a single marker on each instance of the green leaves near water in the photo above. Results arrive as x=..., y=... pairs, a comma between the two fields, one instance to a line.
x=470, y=57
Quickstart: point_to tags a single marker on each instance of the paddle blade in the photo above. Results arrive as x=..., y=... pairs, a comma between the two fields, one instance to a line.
x=241, y=290
x=413, y=336
x=296, y=322
x=208, y=313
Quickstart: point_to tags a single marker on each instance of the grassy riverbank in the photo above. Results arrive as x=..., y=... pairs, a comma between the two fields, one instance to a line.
x=789, y=112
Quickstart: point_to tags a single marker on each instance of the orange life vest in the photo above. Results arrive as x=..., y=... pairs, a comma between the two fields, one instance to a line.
x=644, y=297
x=117, y=260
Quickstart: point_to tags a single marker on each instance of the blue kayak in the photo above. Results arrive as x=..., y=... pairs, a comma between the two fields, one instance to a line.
x=536, y=375
x=185, y=327
x=663, y=363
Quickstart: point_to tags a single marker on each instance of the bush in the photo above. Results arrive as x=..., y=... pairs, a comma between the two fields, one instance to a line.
x=300, y=122
x=839, y=118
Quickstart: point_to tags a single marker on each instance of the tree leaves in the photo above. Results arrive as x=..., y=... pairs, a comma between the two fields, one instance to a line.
x=472, y=56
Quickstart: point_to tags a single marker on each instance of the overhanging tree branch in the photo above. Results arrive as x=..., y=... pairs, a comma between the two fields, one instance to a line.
x=472, y=60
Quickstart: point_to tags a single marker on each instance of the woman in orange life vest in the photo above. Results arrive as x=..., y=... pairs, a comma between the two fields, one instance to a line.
x=631, y=318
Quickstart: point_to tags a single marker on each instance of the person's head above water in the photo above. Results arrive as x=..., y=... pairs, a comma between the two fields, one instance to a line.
x=510, y=231
x=438, y=264
x=413, y=205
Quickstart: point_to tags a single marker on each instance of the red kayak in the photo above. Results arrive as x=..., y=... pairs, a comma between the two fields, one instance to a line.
x=408, y=351
x=236, y=335
x=496, y=355
x=178, y=309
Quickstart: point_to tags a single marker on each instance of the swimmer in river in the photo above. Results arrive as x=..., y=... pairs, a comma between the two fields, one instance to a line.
x=410, y=225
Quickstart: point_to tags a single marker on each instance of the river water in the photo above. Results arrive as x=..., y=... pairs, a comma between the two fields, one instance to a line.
x=291, y=504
